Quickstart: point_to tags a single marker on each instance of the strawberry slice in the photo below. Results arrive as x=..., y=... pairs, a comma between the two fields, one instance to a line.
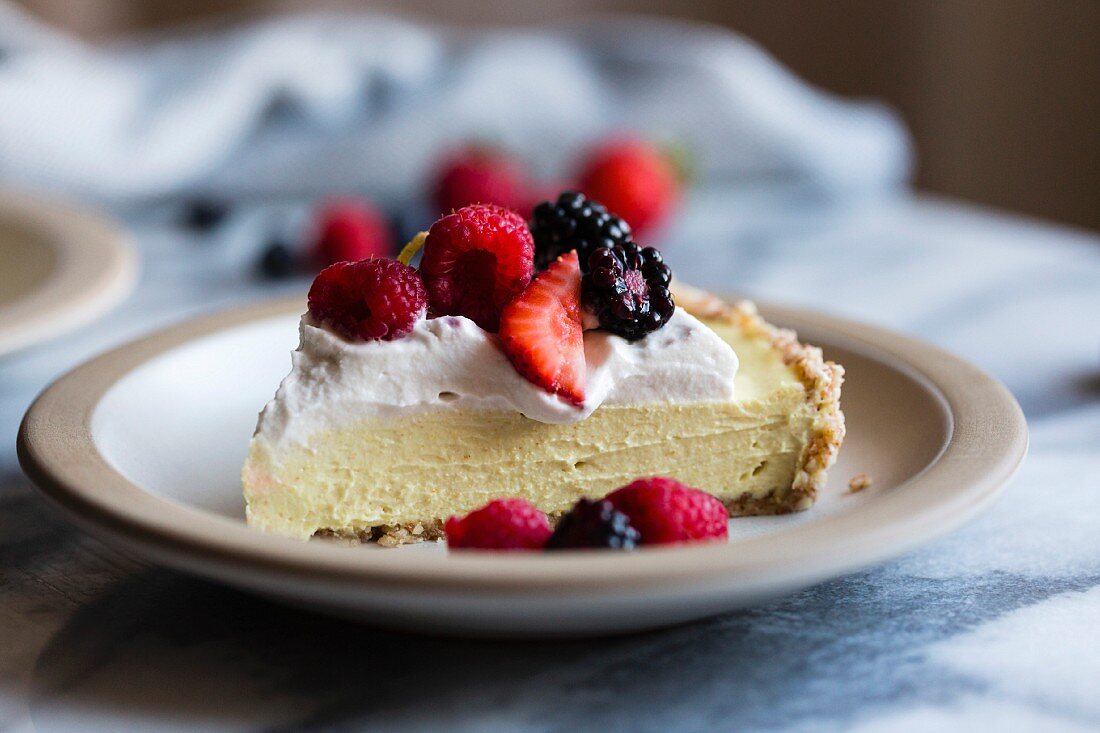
x=542, y=333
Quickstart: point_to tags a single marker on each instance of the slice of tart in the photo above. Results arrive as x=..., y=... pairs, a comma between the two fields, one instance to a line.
x=384, y=429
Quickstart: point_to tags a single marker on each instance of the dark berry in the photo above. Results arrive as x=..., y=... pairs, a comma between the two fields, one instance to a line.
x=368, y=300
x=574, y=222
x=594, y=524
x=277, y=262
x=202, y=215
x=626, y=287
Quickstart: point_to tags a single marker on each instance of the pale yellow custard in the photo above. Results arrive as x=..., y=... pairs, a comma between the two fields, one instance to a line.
x=395, y=477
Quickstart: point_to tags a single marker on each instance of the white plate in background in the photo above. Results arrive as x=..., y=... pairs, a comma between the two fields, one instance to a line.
x=61, y=267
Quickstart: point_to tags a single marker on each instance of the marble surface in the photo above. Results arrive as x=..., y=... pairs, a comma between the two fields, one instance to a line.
x=992, y=627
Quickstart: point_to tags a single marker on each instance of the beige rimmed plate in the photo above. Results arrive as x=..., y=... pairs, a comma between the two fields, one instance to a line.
x=60, y=268
x=143, y=447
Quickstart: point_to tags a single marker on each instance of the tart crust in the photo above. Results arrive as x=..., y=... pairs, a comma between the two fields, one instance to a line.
x=822, y=380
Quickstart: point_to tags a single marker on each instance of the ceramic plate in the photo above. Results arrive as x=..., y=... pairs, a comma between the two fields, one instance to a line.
x=60, y=268
x=143, y=447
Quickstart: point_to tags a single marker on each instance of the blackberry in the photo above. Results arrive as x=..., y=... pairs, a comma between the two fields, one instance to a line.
x=574, y=222
x=627, y=289
x=594, y=524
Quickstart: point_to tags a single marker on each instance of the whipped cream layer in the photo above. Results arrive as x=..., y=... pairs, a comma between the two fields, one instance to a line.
x=450, y=362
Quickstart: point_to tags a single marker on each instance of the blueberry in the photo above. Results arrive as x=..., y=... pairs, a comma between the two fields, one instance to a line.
x=203, y=215
x=277, y=262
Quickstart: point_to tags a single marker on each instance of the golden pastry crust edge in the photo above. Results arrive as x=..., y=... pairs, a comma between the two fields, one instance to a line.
x=822, y=380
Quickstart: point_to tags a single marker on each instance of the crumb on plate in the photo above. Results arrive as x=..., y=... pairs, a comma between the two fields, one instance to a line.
x=859, y=482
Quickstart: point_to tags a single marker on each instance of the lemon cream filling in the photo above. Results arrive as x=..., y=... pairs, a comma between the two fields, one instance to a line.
x=449, y=363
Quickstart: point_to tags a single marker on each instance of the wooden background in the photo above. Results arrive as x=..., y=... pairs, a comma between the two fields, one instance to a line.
x=1002, y=96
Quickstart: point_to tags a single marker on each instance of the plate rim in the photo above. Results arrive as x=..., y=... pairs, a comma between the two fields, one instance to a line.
x=987, y=442
x=96, y=268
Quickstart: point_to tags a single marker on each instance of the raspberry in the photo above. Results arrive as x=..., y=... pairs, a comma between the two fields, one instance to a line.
x=574, y=222
x=627, y=289
x=594, y=524
x=475, y=261
x=479, y=175
x=369, y=300
x=664, y=510
x=633, y=178
x=502, y=524
x=351, y=230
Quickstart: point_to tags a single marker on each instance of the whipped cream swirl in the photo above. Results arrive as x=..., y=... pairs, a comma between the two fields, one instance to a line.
x=450, y=362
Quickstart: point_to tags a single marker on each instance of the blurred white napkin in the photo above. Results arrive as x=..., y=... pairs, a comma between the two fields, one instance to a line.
x=321, y=103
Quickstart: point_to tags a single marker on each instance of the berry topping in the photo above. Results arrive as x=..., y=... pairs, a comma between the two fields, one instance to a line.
x=475, y=261
x=479, y=175
x=594, y=524
x=633, y=178
x=664, y=510
x=627, y=289
x=349, y=231
x=542, y=334
x=502, y=524
x=369, y=300
x=574, y=222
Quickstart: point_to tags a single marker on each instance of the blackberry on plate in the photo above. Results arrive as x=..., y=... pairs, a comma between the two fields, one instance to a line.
x=594, y=524
x=574, y=222
x=626, y=287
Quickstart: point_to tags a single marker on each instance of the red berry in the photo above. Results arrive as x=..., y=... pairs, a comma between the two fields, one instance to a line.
x=542, y=332
x=475, y=261
x=479, y=176
x=351, y=230
x=634, y=179
x=502, y=524
x=664, y=510
x=368, y=300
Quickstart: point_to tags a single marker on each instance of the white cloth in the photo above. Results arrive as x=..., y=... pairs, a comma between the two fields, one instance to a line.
x=322, y=103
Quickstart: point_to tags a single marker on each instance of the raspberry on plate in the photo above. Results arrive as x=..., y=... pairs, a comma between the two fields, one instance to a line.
x=368, y=300
x=591, y=524
x=475, y=261
x=664, y=511
x=350, y=230
x=542, y=332
x=479, y=175
x=502, y=524
x=633, y=178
